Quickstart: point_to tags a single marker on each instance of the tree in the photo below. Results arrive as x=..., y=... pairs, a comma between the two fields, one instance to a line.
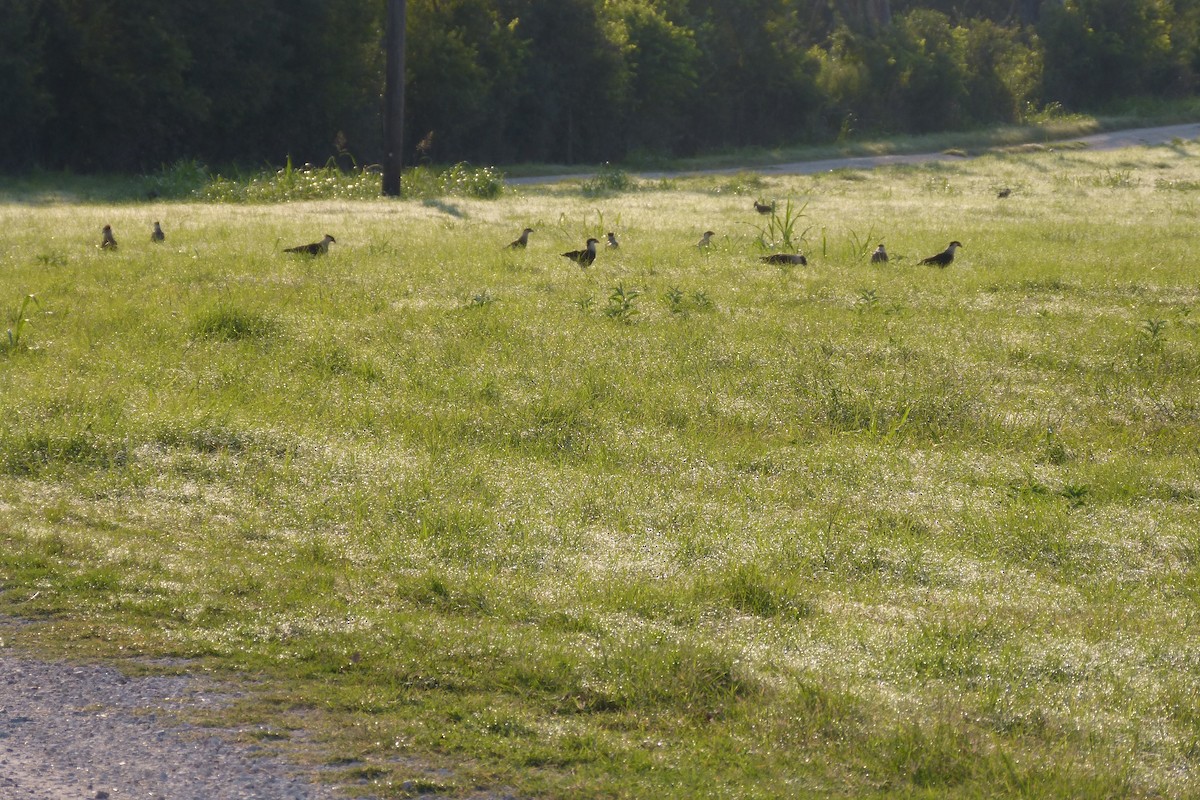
x=661, y=59
x=26, y=103
x=393, y=131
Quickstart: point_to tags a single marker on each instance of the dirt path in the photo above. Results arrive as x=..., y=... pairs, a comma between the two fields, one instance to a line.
x=1099, y=141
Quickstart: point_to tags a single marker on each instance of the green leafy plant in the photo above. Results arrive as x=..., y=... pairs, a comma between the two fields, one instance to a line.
x=482, y=299
x=183, y=178
x=782, y=229
x=15, y=336
x=607, y=180
x=861, y=247
x=674, y=298
x=620, y=304
x=1153, y=330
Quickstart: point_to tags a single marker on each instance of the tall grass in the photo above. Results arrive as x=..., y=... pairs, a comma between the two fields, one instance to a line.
x=682, y=524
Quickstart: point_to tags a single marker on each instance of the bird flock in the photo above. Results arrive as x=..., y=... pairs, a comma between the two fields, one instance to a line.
x=586, y=256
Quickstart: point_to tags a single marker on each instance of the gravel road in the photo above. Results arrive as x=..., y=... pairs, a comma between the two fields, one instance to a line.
x=1099, y=141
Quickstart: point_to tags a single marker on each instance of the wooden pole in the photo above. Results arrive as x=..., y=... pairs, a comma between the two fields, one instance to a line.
x=393, y=97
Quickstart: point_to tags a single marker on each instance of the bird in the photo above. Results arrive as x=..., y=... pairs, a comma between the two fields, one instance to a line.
x=1003, y=193
x=158, y=235
x=764, y=208
x=880, y=255
x=522, y=240
x=585, y=257
x=109, y=243
x=612, y=241
x=943, y=258
x=784, y=258
x=314, y=249
x=705, y=240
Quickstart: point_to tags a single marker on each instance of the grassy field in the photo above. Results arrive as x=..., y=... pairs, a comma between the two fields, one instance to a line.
x=681, y=525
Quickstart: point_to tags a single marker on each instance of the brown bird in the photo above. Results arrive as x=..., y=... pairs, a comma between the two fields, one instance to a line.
x=585, y=257
x=705, y=240
x=522, y=240
x=109, y=243
x=764, y=208
x=157, y=235
x=784, y=258
x=943, y=258
x=880, y=255
x=612, y=241
x=1003, y=193
x=314, y=249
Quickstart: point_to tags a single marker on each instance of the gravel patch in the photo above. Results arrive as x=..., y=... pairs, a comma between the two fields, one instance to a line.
x=72, y=731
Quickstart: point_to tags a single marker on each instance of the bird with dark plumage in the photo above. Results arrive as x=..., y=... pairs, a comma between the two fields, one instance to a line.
x=612, y=241
x=110, y=242
x=521, y=241
x=764, y=208
x=157, y=234
x=705, y=240
x=315, y=249
x=1003, y=193
x=880, y=255
x=943, y=258
x=585, y=257
x=784, y=258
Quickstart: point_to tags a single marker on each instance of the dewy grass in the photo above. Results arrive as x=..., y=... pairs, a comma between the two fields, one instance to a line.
x=840, y=530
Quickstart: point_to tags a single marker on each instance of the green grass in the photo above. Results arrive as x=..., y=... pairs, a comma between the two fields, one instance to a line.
x=681, y=524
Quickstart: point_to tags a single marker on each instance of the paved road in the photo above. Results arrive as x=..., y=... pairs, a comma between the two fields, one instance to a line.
x=1098, y=141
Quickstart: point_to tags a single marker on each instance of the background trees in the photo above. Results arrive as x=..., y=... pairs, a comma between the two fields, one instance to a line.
x=133, y=84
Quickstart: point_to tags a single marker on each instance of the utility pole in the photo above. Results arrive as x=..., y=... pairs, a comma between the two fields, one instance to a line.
x=393, y=97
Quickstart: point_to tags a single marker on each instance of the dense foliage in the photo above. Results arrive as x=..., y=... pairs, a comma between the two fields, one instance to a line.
x=132, y=84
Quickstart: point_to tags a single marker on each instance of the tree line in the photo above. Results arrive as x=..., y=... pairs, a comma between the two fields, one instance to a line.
x=97, y=85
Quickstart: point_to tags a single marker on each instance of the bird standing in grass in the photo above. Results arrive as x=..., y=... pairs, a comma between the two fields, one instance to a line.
x=705, y=240
x=521, y=241
x=612, y=241
x=157, y=234
x=1003, y=193
x=880, y=255
x=943, y=258
x=314, y=249
x=585, y=257
x=764, y=208
x=110, y=242
x=784, y=258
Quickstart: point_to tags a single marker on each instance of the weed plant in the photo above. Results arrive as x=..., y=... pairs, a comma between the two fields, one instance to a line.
x=192, y=180
x=14, y=337
x=784, y=536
